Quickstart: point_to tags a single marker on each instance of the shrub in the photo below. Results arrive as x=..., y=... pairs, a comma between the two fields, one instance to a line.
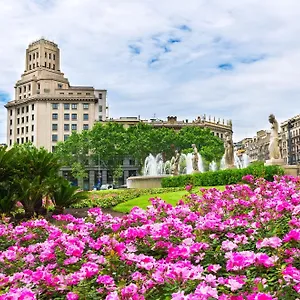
x=223, y=177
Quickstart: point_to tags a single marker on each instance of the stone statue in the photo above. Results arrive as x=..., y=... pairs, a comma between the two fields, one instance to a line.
x=195, y=158
x=175, y=163
x=274, y=139
x=229, y=152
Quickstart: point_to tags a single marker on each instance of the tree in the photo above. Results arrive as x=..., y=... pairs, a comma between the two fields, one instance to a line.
x=75, y=152
x=108, y=142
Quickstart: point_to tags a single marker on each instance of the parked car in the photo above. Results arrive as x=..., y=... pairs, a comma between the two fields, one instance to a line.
x=106, y=187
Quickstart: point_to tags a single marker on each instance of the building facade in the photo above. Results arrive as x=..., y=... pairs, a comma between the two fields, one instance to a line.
x=257, y=147
x=290, y=140
x=46, y=108
x=217, y=127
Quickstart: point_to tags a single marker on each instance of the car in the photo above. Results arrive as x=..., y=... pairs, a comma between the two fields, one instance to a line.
x=106, y=187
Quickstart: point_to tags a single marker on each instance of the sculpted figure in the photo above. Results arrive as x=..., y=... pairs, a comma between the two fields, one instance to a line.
x=229, y=152
x=274, y=140
x=195, y=158
x=175, y=163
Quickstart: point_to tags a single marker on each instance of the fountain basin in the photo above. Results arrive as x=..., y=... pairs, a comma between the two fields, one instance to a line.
x=145, y=182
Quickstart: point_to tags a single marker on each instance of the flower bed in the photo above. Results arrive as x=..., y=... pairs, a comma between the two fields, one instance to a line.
x=242, y=243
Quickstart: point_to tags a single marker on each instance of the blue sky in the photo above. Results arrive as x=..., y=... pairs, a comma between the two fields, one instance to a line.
x=230, y=59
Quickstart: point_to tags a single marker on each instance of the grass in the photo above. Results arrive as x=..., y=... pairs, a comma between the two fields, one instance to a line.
x=143, y=201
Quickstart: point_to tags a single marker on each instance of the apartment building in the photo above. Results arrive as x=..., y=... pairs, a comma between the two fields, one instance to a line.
x=46, y=109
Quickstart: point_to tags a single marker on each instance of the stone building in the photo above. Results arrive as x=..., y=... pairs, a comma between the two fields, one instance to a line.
x=290, y=129
x=217, y=126
x=257, y=147
x=46, y=108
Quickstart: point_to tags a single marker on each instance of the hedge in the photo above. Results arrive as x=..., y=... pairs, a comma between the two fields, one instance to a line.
x=222, y=177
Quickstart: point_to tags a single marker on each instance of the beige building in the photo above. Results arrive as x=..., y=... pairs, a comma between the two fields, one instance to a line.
x=46, y=108
x=294, y=134
x=257, y=147
x=217, y=126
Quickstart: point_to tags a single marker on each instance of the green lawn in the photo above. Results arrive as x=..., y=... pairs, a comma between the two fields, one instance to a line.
x=143, y=201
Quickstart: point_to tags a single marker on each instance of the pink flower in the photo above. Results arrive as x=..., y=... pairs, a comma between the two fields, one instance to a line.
x=188, y=187
x=72, y=296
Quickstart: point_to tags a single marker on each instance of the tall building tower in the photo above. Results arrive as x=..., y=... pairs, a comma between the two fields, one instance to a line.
x=46, y=108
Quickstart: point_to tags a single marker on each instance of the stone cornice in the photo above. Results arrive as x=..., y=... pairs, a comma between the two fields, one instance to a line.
x=50, y=99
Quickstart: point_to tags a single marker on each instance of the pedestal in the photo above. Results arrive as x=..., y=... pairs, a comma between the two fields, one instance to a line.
x=274, y=162
x=291, y=170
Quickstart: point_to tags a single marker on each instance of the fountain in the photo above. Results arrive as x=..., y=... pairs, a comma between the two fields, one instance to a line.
x=155, y=168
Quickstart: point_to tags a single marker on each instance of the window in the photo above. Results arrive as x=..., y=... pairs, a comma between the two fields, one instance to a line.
x=85, y=117
x=24, y=88
x=29, y=87
x=24, y=96
x=66, y=106
x=23, y=120
x=74, y=127
x=32, y=117
x=70, y=93
x=27, y=108
x=88, y=94
x=18, y=111
x=61, y=93
x=85, y=126
x=20, y=97
x=54, y=56
x=38, y=86
x=37, y=64
x=10, y=132
x=10, y=122
x=27, y=119
x=53, y=66
x=10, y=142
x=53, y=148
x=54, y=137
x=49, y=55
x=20, y=90
x=59, y=85
x=49, y=65
x=54, y=105
x=74, y=116
x=11, y=112
x=66, y=116
x=33, y=66
x=32, y=138
x=18, y=121
x=33, y=56
x=85, y=106
x=22, y=130
x=18, y=141
x=18, y=130
x=29, y=67
x=45, y=54
x=32, y=127
x=37, y=55
x=66, y=127
x=74, y=106
x=100, y=118
x=66, y=136
x=26, y=129
x=26, y=139
x=29, y=56
x=100, y=108
x=100, y=96
x=22, y=140
x=54, y=116
x=79, y=93
x=54, y=127
x=32, y=106
x=131, y=162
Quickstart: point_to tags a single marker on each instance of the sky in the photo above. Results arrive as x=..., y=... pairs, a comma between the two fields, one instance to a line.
x=232, y=59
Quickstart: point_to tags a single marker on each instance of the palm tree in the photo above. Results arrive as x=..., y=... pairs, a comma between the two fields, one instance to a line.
x=64, y=195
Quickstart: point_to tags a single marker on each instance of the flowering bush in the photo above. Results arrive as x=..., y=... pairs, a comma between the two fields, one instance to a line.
x=242, y=243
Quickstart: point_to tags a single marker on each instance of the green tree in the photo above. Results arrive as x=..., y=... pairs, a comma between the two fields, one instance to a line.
x=75, y=152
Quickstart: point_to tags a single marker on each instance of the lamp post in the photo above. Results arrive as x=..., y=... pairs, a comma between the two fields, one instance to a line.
x=290, y=125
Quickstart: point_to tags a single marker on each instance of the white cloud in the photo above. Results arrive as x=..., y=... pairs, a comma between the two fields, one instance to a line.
x=94, y=38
